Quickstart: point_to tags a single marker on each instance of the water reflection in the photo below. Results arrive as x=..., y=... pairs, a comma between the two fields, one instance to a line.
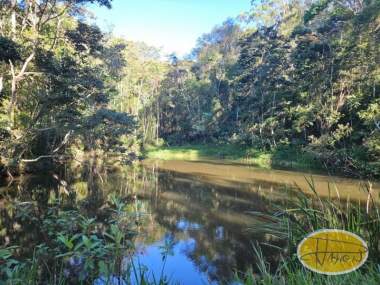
x=208, y=224
x=191, y=218
x=178, y=265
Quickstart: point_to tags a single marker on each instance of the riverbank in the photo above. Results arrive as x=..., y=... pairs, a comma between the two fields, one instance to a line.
x=282, y=158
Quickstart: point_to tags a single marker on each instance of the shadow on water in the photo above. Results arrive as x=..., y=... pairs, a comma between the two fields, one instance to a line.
x=191, y=217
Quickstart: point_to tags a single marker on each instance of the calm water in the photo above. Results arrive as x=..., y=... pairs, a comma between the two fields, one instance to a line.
x=195, y=214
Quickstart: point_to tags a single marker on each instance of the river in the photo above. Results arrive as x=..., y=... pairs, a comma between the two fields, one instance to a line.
x=195, y=221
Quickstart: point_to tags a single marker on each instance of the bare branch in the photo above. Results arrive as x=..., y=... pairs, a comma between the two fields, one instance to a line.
x=25, y=65
x=377, y=124
x=65, y=140
x=12, y=68
x=15, y=79
x=49, y=18
x=53, y=155
x=33, y=73
x=10, y=176
x=13, y=18
x=40, y=157
x=56, y=35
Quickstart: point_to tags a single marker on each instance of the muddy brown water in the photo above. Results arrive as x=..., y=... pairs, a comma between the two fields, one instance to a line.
x=195, y=213
x=224, y=174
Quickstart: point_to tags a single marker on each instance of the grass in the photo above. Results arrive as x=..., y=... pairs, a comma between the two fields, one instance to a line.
x=288, y=275
x=307, y=215
x=289, y=158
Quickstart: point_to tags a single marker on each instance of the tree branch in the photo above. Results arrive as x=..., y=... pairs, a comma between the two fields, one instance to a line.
x=65, y=140
x=25, y=65
x=40, y=157
x=377, y=124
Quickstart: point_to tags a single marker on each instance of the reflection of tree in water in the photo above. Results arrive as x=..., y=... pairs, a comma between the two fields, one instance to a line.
x=211, y=220
x=93, y=172
x=23, y=206
x=214, y=217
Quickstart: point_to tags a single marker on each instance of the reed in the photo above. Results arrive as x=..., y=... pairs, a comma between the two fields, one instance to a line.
x=307, y=213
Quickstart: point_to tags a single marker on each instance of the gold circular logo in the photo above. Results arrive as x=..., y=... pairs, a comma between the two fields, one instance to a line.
x=332, y=252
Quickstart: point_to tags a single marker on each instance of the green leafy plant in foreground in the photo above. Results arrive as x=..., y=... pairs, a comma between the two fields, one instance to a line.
x=76, y=250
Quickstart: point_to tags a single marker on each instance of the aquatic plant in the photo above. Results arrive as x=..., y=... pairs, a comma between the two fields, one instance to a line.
x=309, y=213
x=76, y=249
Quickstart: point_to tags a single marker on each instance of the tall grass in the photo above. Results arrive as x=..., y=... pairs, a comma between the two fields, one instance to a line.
x=309, y=213
x=289, y=273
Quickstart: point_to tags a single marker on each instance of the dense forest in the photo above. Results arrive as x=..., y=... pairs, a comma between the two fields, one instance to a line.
x=298, y=74
x=306, y=76
x=58, y=74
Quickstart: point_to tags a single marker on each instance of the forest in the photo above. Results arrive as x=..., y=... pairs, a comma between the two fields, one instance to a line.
x=286, y=78
x=300, y=74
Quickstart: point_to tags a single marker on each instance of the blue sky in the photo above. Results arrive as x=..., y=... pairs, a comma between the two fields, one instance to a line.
x=173, y=25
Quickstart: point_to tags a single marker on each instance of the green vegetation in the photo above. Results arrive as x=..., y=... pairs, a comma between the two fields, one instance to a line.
x=87, y=227
x=291, y=83
x=199, y=152
x=288, y=275
x=76, y=248
x=285, y=157
x=304, y=75
x=57, y=76
x=299, y=75
x=305, y=216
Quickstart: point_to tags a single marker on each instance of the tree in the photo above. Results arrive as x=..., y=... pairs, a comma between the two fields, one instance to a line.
x=58, y=75
x=303, y=74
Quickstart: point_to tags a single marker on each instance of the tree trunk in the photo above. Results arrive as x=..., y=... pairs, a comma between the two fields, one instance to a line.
x=13, y=19
x=157, y=119
x=1, y=84
x=15, y=79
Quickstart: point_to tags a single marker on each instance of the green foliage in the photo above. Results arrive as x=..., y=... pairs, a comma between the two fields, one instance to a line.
x=282, y=157
x=289, y=275
x=64, y=73
x=310, y=84
x=304, y=75
x=9, y=50
x=315, y=9
x=195, y=95
x=86, y=38
x=305, y=216
x=78, y=249
x=138, y=88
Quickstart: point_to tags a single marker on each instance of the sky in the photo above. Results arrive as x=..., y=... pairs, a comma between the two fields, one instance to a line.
x=173, y=25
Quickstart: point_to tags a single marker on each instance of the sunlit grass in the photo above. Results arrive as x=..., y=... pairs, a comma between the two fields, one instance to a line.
x=232, y=153
x=285, y=157
x=175, y=153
